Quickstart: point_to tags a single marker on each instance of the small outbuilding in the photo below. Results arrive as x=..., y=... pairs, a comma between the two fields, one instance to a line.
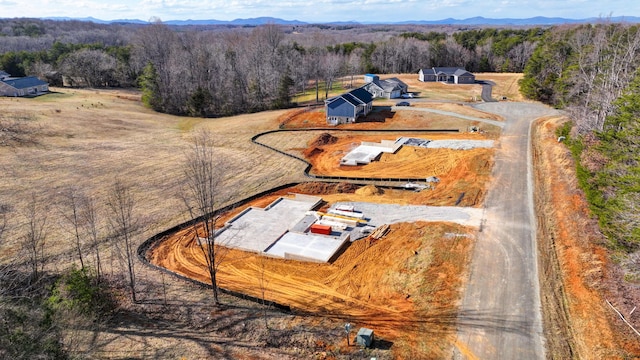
x=364, y=337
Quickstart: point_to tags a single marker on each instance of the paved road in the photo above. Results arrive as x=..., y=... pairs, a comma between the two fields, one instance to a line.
x=487, y=87
x=500, y=315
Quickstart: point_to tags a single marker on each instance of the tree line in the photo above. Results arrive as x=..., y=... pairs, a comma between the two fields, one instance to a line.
x=224, y=71
x=592, y=71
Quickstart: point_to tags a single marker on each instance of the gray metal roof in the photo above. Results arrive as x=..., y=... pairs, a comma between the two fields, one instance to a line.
x=355, y=97
x=363, y=95
x=24, y=82
x=334, y=103
x=352, y=99
x=462, y=72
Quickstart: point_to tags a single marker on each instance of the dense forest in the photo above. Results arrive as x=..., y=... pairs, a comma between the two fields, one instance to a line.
x=214, y=71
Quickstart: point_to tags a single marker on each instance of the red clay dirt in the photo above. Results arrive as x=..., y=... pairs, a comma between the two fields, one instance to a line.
x=396, y=285
x=458, y=171
x=574, y=259
x=405, y=286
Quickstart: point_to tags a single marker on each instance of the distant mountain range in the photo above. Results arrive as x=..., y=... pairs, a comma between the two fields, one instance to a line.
x=539, y=20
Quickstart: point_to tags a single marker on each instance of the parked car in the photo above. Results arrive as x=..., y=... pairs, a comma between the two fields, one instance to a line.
x=407, y=96
x=403, y=103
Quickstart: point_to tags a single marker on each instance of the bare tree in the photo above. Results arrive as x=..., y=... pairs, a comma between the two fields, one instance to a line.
x=35, y=237
x=331, y=65
x=89, y=216
x=4, y=214
x=204, y=171
x=125, y=224
x=95, y=68
x=263, y=283
x=70, y=212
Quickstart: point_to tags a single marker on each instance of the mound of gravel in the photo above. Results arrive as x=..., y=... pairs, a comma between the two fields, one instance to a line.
x=324, y=139
x=369, y=190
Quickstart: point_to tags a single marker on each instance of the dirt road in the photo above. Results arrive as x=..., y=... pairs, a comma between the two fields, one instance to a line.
x=500, y=315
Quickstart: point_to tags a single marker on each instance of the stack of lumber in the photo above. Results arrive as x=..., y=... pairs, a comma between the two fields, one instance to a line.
x=380, y=231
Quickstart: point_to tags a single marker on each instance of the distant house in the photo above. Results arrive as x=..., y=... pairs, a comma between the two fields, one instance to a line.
x=21, y=86
x=451, y=75
x=348, y=107
x=389, y=88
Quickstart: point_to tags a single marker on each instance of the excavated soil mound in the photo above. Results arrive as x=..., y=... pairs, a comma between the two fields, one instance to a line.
x=324, y=139
x=311, y=152
x=318, y=188
x=369, y=190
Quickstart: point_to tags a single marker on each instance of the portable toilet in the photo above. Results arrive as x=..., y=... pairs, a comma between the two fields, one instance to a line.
x=364, y=337
x=370, y=78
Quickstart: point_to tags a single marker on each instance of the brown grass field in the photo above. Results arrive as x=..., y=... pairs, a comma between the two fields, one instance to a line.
x=405, y=286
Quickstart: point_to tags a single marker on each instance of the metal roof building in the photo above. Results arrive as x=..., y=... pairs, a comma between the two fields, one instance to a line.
x=22, y=86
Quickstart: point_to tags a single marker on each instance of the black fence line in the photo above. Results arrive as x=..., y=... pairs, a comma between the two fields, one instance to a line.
x=143, y=249
x=150, y=242
x=309, y=166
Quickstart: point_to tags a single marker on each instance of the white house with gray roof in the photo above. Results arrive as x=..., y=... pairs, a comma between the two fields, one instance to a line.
x=450, y=75
x=391, y=88
x=21, y=86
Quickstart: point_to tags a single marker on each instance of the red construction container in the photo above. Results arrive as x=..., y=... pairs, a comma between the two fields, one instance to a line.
x=321, y=229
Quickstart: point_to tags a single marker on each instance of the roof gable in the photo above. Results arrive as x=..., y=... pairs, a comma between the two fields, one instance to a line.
x=462, y=72
x=336, y=102
x=449, y=70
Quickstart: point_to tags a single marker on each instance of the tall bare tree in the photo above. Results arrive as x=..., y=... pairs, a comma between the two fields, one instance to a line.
x=89, y=216
x=125, y=224
x=70, y=212
x=35, y=236
x=4, y=214
x=204, y=171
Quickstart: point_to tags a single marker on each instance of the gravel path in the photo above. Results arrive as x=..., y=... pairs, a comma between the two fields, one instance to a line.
x=380, y=214
x=500, y=315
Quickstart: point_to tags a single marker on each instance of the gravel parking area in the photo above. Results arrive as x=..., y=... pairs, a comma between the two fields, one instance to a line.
x=380, y=214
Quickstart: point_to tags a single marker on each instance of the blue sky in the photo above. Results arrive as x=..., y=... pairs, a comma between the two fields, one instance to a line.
x=318, y=10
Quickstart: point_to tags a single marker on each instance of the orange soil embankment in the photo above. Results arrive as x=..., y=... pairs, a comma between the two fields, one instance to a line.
x=381, y=119
x=458, y=171
x=572, y=259
x=402, y=285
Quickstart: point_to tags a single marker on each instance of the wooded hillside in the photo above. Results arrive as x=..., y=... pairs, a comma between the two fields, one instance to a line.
x=590, y=70
x=220, y=70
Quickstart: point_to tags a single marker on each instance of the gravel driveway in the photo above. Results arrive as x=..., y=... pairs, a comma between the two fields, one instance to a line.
x=380, y=214
x=500, y=315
